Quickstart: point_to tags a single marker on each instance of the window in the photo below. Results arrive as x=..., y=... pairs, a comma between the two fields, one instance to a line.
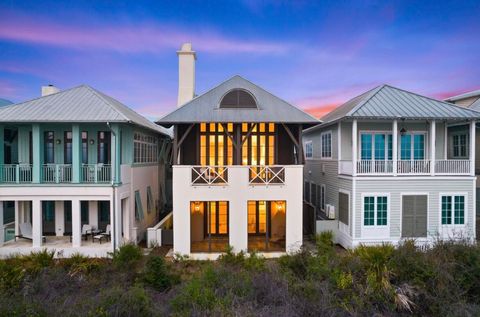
x=138, y=206
x=48, y=208
x=84, y=147
x=84, y=211
x=104, y=147
x=216, y=148
x=412, y=146
x=306, y=191
x=150, y=204
x=322, y=197
x=308, y=149
x=104, y=210
x=238, y=98
x=49, y=150
x=145, y=148
x=376, y=145
x=326, y=139
x=67, y=147
x=453, y=210
x=375, y=210
x=259, y=147
x=460, y=146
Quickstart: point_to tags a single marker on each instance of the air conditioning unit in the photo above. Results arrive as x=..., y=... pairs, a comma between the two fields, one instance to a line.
x=330, y=211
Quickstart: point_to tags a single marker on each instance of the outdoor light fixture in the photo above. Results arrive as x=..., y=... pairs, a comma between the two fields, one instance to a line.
x=403, y=131
x=280, y=206
x=58, y=141
x=197, y=206
x=92, y=141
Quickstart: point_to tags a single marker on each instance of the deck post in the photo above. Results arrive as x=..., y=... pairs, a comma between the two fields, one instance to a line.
x=471, y=155
x=395, y=147
x=354, y=147
x=76, y=224
x=2, y=135
x=37, y=153
x=17, y=216
x=37, y=223
x=432, y=146
x=76, y=153
x=2, y=228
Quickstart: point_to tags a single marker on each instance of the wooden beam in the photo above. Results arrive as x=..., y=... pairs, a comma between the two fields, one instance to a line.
x=301, y=158
x=175, y=145
x=238, y=150
x=225, y=131
x=290, y=134
x=249, y=132
x=184, y=136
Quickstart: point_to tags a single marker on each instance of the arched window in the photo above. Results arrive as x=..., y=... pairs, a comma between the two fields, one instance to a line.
x=238, y=98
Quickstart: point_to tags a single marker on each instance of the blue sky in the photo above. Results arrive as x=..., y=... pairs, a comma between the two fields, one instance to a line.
x=314, y=54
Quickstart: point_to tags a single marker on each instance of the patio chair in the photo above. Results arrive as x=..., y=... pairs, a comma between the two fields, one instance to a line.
x=104, y=235
x=26, y=232
x=86, y=230
x=107, y=232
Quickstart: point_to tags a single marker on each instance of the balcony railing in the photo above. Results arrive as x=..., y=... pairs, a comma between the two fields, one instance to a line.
x=57, y=173
x=209, y=175
x=16, y=173
x=406, y=167
x=96, y=173
x=266, y=175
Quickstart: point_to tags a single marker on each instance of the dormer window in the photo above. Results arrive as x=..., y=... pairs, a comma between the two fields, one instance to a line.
x=238, y=98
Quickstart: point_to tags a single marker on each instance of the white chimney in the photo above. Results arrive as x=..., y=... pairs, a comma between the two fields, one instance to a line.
x=48, y=90
x=186, y=74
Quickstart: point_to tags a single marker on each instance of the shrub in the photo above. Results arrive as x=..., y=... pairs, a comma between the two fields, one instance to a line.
x=80, y=264
x=157, y=274
x=127, y=256
x=36, y=261
x=11, y=275
x=117, y=301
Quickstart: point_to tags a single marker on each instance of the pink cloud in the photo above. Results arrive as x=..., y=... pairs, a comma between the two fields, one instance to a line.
x=143, y=38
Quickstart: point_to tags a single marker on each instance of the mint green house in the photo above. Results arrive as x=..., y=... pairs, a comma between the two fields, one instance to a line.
x=83, y=172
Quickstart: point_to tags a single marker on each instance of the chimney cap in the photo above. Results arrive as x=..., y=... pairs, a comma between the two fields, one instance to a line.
x=186, y=49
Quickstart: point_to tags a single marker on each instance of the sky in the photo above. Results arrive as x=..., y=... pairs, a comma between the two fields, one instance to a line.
x=313, y=54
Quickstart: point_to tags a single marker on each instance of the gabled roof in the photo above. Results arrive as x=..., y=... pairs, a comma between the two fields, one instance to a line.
x=78, y=104
x=387, y=102
x=205, y=108
x=474, y=93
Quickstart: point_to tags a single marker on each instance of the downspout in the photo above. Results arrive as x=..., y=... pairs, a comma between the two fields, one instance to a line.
x=113, y=188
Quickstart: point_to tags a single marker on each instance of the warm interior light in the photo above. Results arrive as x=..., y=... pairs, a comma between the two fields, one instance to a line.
x=280, y=206
x=197, y=206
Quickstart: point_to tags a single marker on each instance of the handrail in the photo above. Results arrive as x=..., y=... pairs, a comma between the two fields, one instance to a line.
x=266, y=175
x=209, y=175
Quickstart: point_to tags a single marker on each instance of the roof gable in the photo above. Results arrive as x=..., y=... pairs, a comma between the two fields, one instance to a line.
x=78, y=104
x=387, y=102
x=205, y=108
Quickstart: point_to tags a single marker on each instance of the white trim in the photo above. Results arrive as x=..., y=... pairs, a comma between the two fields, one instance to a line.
x=401, y=211
x=354, y=200
x=465, y=211
x=354, y=147
x=395, y=146
x=432, y=139
x=329, y=132
x=471, y=154
x=376, y=231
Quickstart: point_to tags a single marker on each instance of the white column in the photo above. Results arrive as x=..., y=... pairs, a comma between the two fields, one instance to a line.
x=17, y=217
x=354, y=147
x=93, y=213
x=76, y=224
x=59, y=218
x=432, y=146
x=37, y=223
x=113, y=230
x=395, y=146
x=2, y=230
x=339, y=142
x=471, y=155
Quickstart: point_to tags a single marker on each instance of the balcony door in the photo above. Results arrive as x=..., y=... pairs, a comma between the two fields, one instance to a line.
x=259, y=146
x=375, y=152
x=412, y=146
x=266, y=225
x=209, y=223
x=216, y=148
x=104, y=146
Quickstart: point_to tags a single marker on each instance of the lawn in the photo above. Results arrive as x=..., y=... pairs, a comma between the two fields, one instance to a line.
x=441, y=281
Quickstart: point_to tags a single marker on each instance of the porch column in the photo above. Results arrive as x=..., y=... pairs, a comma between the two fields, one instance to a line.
x=76, y=153
x=354, y=147
x=59, y=218
x=37, y=223
x=37, y=153
x=2, y=140
x=115, y=153
x=17, y=217
x=238, y=141
x=395, y=146
x=432, y=146
x=76, y=224
x=301, y=157
x=2, y=230
x=471, y=155
x=93, y=213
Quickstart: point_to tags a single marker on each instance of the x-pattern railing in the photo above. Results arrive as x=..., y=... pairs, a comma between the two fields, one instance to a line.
x=266, y=175
x=209, y=175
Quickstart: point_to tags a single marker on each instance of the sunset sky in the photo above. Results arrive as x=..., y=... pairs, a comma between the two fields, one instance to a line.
x=315, y=54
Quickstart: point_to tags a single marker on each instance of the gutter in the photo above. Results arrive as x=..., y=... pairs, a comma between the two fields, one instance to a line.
x=114, y=211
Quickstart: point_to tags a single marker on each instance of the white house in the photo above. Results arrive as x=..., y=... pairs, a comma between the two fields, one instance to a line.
x=391, y=164
x=82, y=172
x=237, y=168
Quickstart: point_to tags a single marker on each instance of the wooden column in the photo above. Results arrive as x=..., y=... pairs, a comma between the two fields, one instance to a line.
x=432, y=146
x=471, y=155
x=175, y=145
x=301, y=159
x=395, y=147
x=354, y=147
x=238, y=141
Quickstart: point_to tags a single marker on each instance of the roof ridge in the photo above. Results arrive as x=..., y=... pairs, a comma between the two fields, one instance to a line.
x=363, y=102
x=430, y=98
x=99, y=95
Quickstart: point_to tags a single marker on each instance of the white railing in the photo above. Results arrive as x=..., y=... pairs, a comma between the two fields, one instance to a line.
x=417, y=167
x=452, y=167
x=374, y=167
x=96, y=173
x=16, y=173
x=407, y=167
x=154, y=234
x=266, y=175
x=57, y=173
x=209, y=175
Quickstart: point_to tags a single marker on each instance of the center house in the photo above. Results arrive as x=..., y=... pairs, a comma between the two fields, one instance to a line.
x=237, y=168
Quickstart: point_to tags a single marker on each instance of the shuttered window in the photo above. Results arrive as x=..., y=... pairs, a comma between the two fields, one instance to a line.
x=343, y=207
x=322, y=197
x=150, y=204
x=138, y=206
x=414, y=216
